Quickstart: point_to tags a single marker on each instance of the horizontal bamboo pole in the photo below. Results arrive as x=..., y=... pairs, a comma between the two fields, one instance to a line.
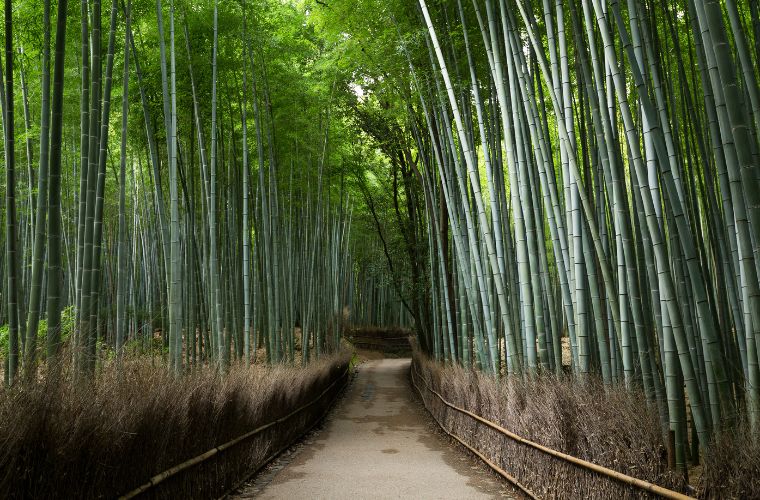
x=275, y=454
x=492, y=465
x=162, y=476
x=619, y=476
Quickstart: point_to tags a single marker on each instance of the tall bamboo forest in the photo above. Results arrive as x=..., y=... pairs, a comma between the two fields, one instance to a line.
x=534, y=187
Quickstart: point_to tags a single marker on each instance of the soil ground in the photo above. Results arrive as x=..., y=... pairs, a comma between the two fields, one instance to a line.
x=378, y=443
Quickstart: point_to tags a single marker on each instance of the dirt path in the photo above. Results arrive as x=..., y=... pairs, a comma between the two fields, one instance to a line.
x=379, y=443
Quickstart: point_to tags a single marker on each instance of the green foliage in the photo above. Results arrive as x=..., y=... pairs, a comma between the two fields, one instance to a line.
x=355, y=361
x=3, y=339
x=154, y=347
x=68, y=318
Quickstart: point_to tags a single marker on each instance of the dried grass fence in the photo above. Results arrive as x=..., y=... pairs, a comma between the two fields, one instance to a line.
x=612, y=428
x=732, y=465
x=61, y=441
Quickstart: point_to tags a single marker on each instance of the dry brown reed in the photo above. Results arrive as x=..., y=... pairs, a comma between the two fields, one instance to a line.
x=611, y=427
x=732, y=465
x=61, y=438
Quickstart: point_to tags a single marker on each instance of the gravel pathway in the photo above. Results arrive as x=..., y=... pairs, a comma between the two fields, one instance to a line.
x=378, y=443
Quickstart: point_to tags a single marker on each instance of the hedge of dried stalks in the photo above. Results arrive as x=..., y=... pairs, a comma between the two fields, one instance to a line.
x=63, y=440
x=732, y=465
x=610, y=427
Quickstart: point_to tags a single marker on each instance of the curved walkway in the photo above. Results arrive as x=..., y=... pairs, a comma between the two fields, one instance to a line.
x=379, y=443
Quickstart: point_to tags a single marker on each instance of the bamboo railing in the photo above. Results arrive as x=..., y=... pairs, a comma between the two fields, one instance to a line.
x=188, y=464
x=604, y=471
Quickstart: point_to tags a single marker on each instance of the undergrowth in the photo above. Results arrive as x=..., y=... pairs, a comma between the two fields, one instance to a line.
x=67, y=327
x=732, y=465
x=612, y=427
x=61, y=438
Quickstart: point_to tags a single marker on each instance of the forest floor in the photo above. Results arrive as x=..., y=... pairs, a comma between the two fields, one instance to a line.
x=378, y=443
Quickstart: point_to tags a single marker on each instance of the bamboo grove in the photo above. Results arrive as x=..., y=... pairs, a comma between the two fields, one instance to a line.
x=157, y=208
x=588, y=173
x=537, y=186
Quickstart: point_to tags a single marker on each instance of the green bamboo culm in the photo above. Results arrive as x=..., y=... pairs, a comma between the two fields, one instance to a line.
x=11, y=258
x=35, y=297
x=54, y=229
